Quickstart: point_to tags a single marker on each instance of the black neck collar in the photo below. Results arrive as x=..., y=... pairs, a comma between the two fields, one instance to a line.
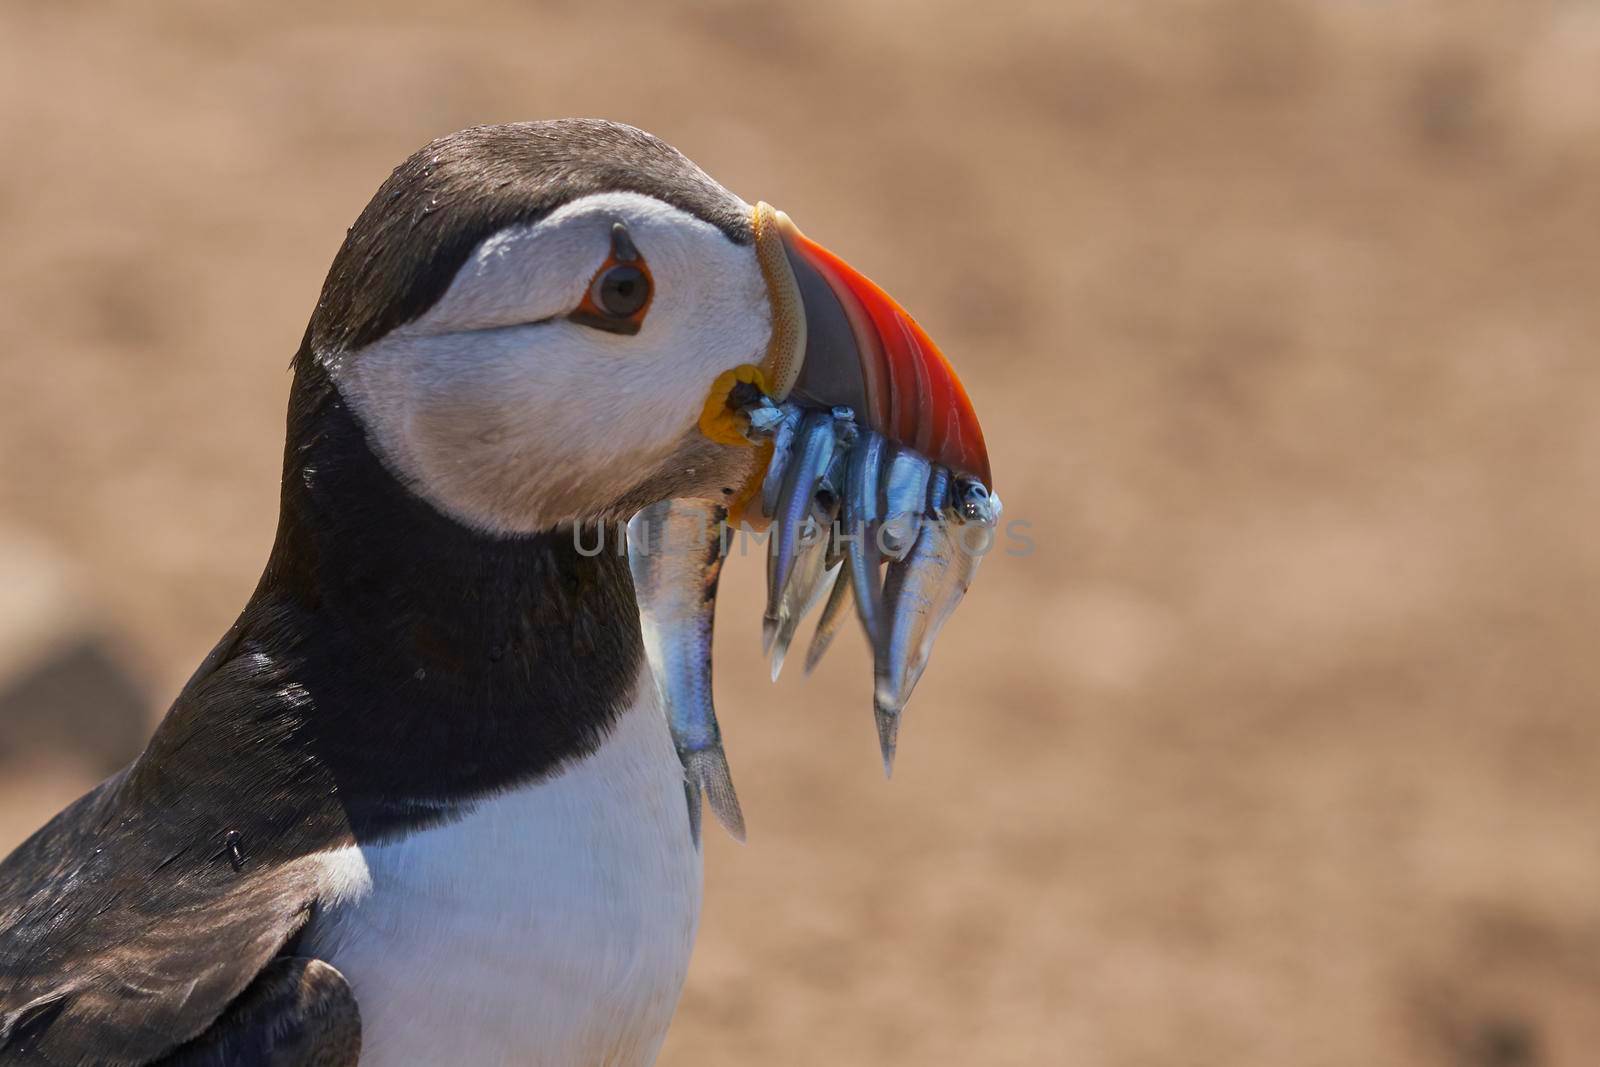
x=426, y=662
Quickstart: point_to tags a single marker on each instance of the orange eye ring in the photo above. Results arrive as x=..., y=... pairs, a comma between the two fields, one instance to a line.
x=621, y=291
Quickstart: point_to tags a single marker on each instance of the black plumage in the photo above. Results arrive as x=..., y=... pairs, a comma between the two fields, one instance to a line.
x=297, y=1013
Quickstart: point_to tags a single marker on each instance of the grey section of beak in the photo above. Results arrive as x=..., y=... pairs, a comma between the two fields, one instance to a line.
x=831, y=372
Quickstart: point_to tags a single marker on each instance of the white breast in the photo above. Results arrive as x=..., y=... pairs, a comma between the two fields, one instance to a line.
x=552, y=926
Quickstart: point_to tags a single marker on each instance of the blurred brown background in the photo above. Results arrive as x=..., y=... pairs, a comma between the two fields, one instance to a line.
x=1282, y=749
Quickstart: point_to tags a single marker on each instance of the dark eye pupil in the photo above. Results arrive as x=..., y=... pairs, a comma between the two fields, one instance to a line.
x=622, y=291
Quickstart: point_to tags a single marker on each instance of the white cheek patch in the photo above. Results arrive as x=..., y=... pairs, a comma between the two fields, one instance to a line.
x=503, y=413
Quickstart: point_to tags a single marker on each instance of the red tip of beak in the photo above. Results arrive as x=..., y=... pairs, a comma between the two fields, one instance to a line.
x=912, y=394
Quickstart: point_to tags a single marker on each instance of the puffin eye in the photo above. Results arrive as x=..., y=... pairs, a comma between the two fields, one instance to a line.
x=620, y=292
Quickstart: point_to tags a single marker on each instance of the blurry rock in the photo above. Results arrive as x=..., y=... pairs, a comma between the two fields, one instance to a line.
x=77, y=702
x=65, y=696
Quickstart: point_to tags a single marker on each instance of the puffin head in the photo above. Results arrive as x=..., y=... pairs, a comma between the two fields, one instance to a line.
x=541, y=323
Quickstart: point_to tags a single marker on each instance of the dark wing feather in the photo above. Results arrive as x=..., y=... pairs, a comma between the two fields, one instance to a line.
x=132, y=920
x=104, y=961
x=298, y=1013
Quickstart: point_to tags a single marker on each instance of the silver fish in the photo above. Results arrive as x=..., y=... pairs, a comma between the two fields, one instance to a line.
x=894, y=505
x=920, y=592
x=905, y=496
x=861, y=512
x=813, y=452
x=675, y=552
x=830, y=490
x=782, y=432
x=818, y=562
x=906, y=588
x=833, y=616
x=813, y=578
x=782, y=449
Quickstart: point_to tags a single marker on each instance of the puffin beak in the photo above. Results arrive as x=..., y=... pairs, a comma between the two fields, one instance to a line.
x=839, y=340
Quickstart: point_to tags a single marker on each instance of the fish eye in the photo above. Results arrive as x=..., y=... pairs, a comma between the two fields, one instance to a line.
x=622, y=291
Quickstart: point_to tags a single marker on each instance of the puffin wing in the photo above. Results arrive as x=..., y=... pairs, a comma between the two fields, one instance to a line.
x=299, y=1012
x=125, y=935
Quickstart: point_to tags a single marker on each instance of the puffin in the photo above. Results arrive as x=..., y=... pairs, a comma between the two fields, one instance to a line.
x=420, y=805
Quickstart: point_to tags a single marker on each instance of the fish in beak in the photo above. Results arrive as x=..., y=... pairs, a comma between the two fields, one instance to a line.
x=907, y=448
x=873, y=444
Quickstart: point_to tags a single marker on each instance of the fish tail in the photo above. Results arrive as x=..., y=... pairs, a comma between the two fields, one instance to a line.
x=833, y=614
x=888, y=734
x=707, y=772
